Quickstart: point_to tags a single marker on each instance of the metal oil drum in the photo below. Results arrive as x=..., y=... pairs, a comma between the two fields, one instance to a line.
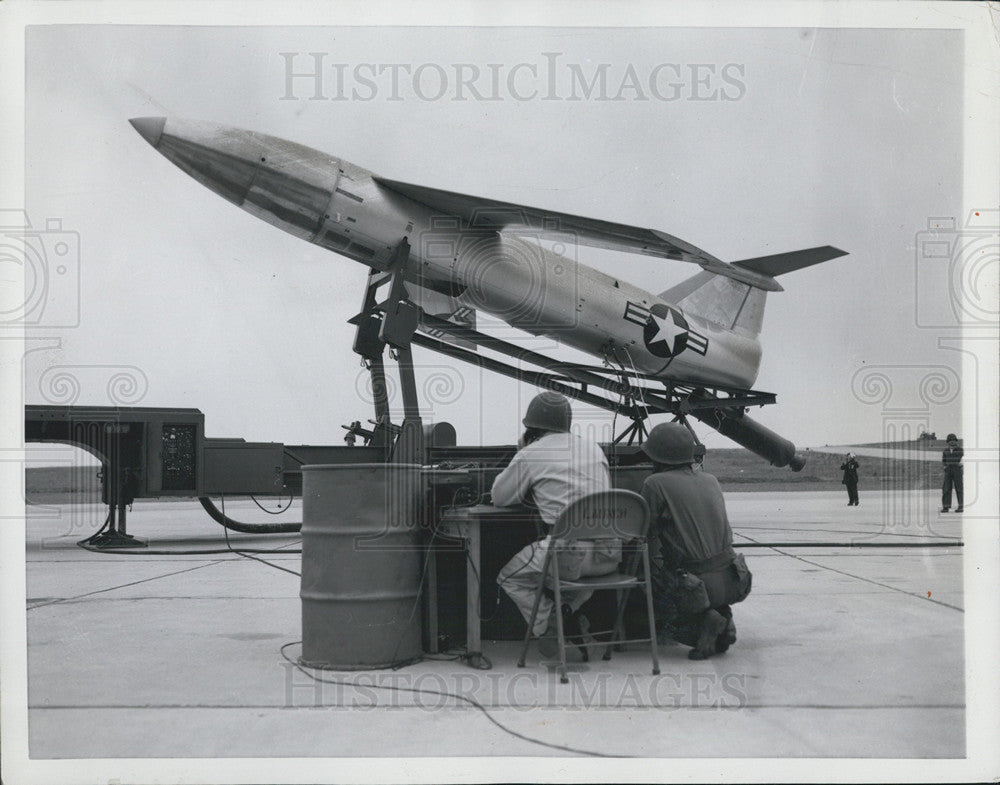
x=360, y=565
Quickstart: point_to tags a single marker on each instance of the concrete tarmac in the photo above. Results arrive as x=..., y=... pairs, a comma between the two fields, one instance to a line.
x=850, y=645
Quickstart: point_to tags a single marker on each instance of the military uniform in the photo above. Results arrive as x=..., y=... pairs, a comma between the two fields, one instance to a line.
x=850, y=469
x=691, y=533
x=953, y=471
x=552, y=473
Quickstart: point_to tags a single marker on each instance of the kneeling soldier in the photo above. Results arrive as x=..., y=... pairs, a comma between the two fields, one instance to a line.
x=696, y=572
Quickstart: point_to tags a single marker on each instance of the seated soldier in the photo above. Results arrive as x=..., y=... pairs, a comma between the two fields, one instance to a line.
x=552, y=469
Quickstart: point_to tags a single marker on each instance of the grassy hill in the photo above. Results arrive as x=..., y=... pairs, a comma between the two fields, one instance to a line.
x=60, y=484
x=918, y=445
x=737, y=470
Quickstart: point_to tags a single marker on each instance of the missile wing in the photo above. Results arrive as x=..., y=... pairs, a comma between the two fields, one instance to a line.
x=480, y=213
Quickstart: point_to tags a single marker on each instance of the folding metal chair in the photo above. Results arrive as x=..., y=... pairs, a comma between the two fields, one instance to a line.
x=615, y=514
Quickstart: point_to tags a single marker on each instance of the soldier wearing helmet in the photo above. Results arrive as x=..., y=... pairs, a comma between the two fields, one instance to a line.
x=551, y=469
x=951, y=458
x=696, y=573
x=850, y=468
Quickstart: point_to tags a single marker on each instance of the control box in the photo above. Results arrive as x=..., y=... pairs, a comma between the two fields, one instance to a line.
x=178, y=456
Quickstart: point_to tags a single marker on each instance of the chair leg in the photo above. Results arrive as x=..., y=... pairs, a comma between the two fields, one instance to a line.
x=617, y=632
x=620, y=636
x=647, y=584
x=614, y=628
x=574, y=634
x=559, y=625
x=527, y=632
x=534, y=612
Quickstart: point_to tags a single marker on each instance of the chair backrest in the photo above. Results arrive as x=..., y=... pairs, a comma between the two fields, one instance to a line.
x=619, y=513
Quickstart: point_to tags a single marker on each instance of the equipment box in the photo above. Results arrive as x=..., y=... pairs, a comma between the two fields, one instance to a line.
x=237, y=467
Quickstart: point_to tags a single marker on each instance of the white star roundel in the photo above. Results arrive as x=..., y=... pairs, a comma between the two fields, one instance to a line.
x=666, y=331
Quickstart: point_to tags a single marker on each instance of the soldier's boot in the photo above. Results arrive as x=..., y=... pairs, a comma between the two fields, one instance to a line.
x=728, y=637
x=713, y=624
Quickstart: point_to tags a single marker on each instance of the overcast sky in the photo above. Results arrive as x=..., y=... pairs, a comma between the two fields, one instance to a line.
x=804, y=137
x=744, y=141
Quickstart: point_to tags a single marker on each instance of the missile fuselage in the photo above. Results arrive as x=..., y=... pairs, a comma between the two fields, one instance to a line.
x=531, y=282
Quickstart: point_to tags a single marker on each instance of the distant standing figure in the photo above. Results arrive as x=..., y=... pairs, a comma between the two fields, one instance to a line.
x=952, y=460
x=850, y=469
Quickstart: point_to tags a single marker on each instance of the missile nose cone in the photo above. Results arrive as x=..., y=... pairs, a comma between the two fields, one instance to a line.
x=150, y=128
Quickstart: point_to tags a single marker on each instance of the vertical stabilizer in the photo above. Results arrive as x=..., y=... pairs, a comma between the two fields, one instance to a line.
x=736, y=305
x=730, y=304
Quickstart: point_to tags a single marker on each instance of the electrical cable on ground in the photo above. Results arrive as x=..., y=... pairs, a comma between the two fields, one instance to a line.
x=443, y=693
x=867, y=532
x=862, y=578
x=247, y=555
x=86, y=544
x=247, y=528
x=183, y=551
x=124, y=585
x=291, y=498
x=755, y=544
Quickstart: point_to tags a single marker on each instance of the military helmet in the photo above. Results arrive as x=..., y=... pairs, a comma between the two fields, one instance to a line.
x=951, y=438
x=670, y=443
x=549, y=411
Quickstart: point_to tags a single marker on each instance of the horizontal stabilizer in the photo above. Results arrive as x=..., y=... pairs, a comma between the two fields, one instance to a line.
x=782, y=263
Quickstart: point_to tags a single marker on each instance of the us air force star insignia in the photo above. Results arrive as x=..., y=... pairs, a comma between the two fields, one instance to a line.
x=666, y=332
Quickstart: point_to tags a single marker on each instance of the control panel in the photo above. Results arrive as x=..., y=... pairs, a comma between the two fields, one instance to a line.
x=178, y=457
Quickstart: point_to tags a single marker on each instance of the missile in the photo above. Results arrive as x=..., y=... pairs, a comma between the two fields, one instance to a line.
x=512, y=261
x=755, y=437
x=460, y=253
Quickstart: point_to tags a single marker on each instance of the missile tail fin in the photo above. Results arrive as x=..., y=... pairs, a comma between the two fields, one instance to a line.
x=736, y=305
x=730, y=304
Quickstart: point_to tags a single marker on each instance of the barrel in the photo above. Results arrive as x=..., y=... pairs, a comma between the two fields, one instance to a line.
x=360, y=584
